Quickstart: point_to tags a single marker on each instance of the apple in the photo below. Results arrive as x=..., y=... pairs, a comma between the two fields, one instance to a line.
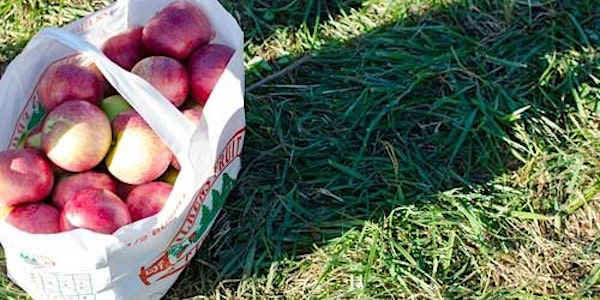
x=170, y=175
x=114, y=105
x=76, y=135
x=35, y=218
x=194, y=115
x=57, y=171
x=105, y=86
x=123, y=189
x=147, y=199
x=61, y=82
x=176, y=30
x=83, y=60
x=138, y=154
x=25, y=176
x=93, y=68
x=126, y=48
x=205, y=66
x=165, y=74
x=98, y=210
x=67, y=186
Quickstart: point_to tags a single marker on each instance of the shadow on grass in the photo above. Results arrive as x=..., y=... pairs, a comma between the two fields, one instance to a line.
x=425, y=104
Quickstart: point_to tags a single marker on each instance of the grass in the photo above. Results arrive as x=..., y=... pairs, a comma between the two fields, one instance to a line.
x=426, y=149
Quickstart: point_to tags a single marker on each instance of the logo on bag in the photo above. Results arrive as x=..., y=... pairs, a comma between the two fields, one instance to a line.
x=38, y=261
x=32, y=115
x=204, y=210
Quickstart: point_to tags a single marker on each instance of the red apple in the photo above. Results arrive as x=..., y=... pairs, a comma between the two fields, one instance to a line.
x=165, y=74
x=177, y=30
x=68, y=186
x=138, y=154
x=105, y=86
x=35, y=218
x=25, y=176
x=66, y=81
x=147, y=199
x=126, y=48
x=76, y=135
x=194, y=115
x=98, y=210
x=84, y=61
x=205, y=67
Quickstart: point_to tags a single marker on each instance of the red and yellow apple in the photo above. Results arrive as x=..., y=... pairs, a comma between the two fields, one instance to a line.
x=25, y=176
x=66, y=81
x=165, y=74
x=98, y=210
x=69, y=185
x=35, y=218
x=177, y=29
x=126, y=48
x=138, y=155
x=205, y=66
x=76, y=135
x=147, y=199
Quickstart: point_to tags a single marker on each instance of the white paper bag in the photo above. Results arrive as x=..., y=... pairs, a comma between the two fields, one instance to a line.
x=141, y=260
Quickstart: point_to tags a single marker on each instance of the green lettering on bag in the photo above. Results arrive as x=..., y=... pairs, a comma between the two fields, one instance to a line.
x=206, y=218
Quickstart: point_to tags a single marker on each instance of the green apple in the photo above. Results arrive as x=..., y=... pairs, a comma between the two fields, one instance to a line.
x=114, y=105
x=170, y=176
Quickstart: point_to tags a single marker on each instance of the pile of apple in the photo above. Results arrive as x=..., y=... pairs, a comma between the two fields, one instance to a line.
x=93, y=162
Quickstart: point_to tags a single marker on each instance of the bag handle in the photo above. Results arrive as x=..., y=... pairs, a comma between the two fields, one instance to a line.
x=165, y=119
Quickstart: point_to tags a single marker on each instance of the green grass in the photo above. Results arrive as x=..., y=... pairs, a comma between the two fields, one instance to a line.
x=422, y=149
